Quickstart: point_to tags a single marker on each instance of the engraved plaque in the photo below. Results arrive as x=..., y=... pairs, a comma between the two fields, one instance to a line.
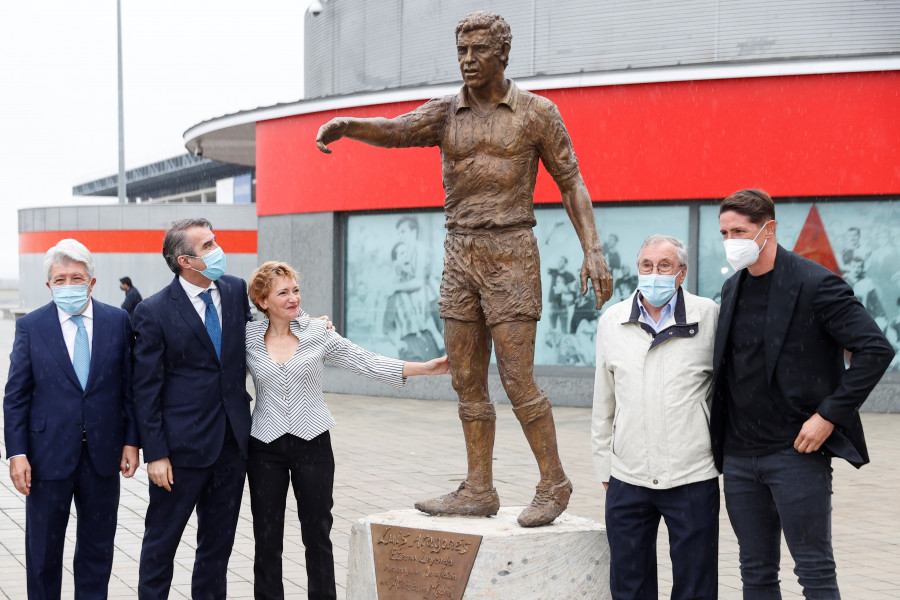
x=415, y=564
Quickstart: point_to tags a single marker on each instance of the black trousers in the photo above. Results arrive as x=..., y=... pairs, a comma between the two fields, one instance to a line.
x=309, y=465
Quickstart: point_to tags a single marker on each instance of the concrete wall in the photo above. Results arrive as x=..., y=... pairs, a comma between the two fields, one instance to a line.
x=565, y=386
x=147, y=270
x=360, y=45
x=312, y=244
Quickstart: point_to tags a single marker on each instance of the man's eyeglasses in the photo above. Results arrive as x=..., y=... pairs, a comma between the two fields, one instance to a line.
x=664, y=267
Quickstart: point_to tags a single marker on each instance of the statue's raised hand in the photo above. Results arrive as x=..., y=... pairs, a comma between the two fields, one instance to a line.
x=331, y=131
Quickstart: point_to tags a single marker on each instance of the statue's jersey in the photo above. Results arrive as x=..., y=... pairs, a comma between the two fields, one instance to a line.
x=490, y=162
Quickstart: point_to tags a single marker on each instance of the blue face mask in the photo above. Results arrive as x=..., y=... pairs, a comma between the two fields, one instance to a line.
x=71, y=299
x=215, y=264
x=657, y=289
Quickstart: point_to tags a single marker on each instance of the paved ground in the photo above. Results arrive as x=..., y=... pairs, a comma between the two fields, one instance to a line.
x=392, y=452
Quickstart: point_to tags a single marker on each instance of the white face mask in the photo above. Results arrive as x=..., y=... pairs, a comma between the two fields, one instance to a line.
x=741, y=253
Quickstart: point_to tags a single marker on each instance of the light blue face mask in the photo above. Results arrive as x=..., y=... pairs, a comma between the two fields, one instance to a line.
x=657, y=289
x=71, y=299
x=215, y=264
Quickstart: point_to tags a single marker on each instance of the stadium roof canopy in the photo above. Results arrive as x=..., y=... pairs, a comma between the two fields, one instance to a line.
x=176, y=175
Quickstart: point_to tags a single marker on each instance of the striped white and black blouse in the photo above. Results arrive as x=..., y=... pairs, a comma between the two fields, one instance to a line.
x=289, y=395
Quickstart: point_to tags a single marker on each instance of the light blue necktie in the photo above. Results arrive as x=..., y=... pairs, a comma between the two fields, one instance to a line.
x=212, y=322
x=81, y=358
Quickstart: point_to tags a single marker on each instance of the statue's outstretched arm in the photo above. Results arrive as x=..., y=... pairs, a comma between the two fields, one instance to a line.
x=377, y=132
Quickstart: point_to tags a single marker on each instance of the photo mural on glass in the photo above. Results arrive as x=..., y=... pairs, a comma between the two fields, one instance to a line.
x=394, y=265
x=859, y=241
x=567, y=331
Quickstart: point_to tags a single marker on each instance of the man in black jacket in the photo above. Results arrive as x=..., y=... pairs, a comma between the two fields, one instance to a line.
x=132, y=296
x=784, y=403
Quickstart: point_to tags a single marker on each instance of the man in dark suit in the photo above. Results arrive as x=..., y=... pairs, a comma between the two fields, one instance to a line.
x=69, y=424
x=193, y=410
x=784, y=403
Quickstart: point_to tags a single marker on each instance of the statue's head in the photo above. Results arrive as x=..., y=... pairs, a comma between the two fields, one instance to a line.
x=482, y=38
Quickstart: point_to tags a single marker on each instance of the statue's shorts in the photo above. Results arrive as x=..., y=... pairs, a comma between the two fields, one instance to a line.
x=491, y=272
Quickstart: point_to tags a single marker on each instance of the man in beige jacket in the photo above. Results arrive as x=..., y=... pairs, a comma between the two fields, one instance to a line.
x=650, y=429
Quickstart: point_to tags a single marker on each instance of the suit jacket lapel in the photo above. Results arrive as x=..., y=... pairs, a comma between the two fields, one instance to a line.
x=228, y=311
x=726, y=313
x=102, y=329
x=783, y=295
x=185, y=308
x=51, y=331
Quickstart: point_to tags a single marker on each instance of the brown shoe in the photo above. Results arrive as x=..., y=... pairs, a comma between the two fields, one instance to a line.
x=464, y=501
x=549, y=502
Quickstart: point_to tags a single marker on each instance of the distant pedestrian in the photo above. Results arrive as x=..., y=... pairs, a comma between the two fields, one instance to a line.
x=132, y=296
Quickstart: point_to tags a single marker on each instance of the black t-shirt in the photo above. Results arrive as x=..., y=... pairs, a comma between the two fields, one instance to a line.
x=756, y=424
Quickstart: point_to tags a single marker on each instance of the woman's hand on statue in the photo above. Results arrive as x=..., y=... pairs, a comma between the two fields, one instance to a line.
x=435, y=366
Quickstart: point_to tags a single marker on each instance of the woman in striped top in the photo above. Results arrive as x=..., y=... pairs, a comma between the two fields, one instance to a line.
x=289, y=439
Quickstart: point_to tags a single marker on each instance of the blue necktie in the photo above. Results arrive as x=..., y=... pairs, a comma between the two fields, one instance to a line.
x=81, y=358
x=212, y=322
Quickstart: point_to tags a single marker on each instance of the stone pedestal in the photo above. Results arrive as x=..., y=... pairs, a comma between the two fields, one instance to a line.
x=567, y=559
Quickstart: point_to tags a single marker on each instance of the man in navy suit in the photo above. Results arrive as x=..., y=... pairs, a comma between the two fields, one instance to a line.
x=69, y=424
x=193, y=410
x=784, y=404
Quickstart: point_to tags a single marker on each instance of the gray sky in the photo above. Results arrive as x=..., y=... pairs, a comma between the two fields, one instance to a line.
x=185, y=61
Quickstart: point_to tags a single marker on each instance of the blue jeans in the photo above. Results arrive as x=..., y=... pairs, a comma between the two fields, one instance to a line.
x=692, y=517
x=785, y=491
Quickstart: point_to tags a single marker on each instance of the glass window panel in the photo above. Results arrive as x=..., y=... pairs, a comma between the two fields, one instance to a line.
x=714, y=269
x=393, y=274
x=566, y=334
x=865, y=238
x=862, y=240
x=394, y=264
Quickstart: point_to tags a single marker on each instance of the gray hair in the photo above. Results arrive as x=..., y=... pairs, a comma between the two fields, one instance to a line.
x=176, y=242
x=69, y=251
x=658, y=238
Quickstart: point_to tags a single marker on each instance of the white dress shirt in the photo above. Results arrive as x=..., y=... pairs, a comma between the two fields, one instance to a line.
x=665, y=313
x=289, y=395
x=194, y=291
x=69, y=328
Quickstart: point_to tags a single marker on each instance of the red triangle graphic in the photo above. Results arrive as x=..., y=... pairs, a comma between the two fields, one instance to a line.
x=813, y=242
